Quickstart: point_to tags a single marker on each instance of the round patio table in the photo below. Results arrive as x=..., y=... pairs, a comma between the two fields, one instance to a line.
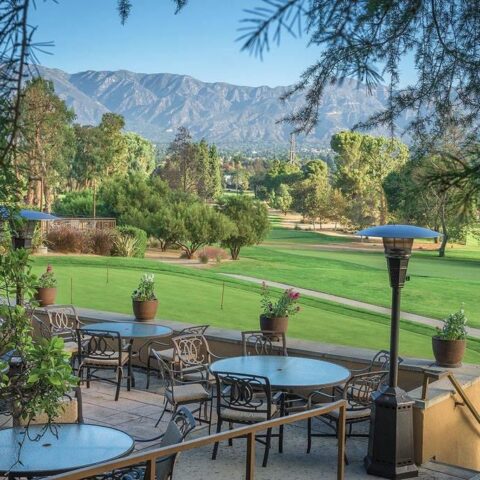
x=131, y=329
x=73, y=446
x=288, y=373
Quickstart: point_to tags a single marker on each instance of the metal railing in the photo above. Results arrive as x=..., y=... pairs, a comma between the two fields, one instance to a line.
x=429, y=375
x=249, y=432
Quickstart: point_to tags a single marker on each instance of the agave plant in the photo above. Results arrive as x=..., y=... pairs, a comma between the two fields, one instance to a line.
x=125, y=245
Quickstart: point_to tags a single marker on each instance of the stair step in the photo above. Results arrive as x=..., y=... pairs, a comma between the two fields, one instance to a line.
x=452, y=470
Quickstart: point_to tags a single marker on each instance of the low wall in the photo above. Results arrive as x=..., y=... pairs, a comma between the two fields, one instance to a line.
x=444, y=431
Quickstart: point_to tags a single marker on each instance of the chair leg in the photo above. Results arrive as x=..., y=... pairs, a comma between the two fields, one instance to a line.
x=148, y=372
x=215, y=447
x=267, y=447
x=309, y=435
x=129, y=376
x=230, y=440
x=88, y=377
x=210, y=418
x=119, y=383
x=162, y=414
x=280, y=439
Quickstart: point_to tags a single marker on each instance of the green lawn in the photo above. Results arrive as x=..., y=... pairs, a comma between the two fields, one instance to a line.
x=192, y=295
x=438, y=286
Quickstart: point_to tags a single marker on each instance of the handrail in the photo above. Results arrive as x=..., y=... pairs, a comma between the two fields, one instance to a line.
x=435, y=375
x=151, y=456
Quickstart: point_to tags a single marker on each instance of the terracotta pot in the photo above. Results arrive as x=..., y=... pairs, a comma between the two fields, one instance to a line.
x=274, y=324
x=448, y=353
x=144, y=310
x=46, y=296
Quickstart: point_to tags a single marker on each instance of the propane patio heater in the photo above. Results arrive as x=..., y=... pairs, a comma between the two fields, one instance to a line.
x=390, y=444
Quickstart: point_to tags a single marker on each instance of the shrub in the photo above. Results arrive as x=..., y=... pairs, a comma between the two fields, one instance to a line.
x=203, y=258
x=69, y=240
x=140, y=237
x=213, y=252
x=78, y=204
x=102, y=241
x=124, y=246
x=153, y=242
x=47, y=279
x=454, y=326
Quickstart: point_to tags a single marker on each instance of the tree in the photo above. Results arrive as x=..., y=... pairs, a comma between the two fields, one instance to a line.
x=45, y=142
x=250, y=218
x=338, y=207
x=197, y=225
x=113, y=146
x=87, y=163
x=140, y=153
x=363, y=162
x=283, y=199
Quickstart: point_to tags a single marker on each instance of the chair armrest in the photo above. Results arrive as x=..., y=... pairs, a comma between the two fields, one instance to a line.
x=158, y=437
x=316, y=394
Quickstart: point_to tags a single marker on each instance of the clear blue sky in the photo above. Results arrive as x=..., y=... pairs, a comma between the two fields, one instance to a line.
x=199, y=41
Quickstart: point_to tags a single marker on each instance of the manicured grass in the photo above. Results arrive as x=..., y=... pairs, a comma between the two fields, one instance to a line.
x=438, y=286
x=192, y=295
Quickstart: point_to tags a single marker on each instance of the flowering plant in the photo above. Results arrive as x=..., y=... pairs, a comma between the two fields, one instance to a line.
x=454, y=326
x=146, y=288
x=285, y=306
x=47, y=279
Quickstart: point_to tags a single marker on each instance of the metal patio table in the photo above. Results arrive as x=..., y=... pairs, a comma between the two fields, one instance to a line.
x=67, y=447
x=131, y=330
x=286, y=373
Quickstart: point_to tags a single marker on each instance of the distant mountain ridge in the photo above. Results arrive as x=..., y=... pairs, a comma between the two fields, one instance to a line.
x=155, y=105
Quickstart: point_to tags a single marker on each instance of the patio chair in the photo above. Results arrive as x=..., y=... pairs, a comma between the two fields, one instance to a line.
x=379, y=362
x=358, y=393
x=165, y=350
x=71, y=412
x=180, y=392
x=180, y=425
x=63, y=322
x=104, y=351
x=258, y=342
x=247, y=399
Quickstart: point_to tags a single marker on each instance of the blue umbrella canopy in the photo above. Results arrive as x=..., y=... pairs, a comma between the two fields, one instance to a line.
x=27, y=214
x=399, y=231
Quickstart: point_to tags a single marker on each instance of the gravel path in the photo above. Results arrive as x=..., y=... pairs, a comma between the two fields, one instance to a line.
x=432, y=322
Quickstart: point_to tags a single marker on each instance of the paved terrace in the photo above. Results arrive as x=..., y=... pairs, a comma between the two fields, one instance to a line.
x=137, y=412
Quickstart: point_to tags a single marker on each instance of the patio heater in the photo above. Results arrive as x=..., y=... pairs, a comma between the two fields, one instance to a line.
x=391, y=444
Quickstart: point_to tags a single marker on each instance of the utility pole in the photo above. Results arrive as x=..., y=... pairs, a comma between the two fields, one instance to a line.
x=94, y=198
x=292, y=155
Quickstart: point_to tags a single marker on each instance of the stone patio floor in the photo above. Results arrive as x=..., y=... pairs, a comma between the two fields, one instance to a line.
x=137, y=411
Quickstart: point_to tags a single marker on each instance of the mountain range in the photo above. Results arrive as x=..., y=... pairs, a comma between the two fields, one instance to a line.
x=155, y=105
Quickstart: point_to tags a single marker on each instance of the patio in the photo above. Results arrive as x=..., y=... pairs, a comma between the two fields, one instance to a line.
x=137, y=411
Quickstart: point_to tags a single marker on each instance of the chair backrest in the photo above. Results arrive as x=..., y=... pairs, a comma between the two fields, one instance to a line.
x=243, y=393
x=190, y=350
x=359, y=389
x=63, y=320
x=381, y=361
x=195, y=330
x=181, y=424
x=99, y=345
x=258, y=342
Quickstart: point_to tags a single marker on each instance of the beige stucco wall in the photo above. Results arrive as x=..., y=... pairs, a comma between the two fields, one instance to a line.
x=447, y=432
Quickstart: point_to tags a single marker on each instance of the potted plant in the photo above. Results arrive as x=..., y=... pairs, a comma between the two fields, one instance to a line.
x=46, y=288
x=144, y=300
x=275, y=314
x=450, y=342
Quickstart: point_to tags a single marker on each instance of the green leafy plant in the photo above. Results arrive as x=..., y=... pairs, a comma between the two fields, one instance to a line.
x=41, y=374
x=285, y=306
x=47, y=279
x=146, y=288
x=454, y=326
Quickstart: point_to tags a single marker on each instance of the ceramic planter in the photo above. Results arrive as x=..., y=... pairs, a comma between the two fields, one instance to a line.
x=273, y=324
x=46, y=296
x=144, y=310
x=448, y=353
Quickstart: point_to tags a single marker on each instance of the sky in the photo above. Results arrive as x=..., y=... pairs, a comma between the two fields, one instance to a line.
x=199, y=41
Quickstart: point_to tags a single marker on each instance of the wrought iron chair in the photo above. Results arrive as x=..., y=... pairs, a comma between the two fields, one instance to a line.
x=247, y=399
x=104, y=351
x=165, y=350
x=358, y=393
x=64, y=322
x=180, y=392
x=258, y=342
x=379, y=362
x=71, y=412
x=180, y=425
